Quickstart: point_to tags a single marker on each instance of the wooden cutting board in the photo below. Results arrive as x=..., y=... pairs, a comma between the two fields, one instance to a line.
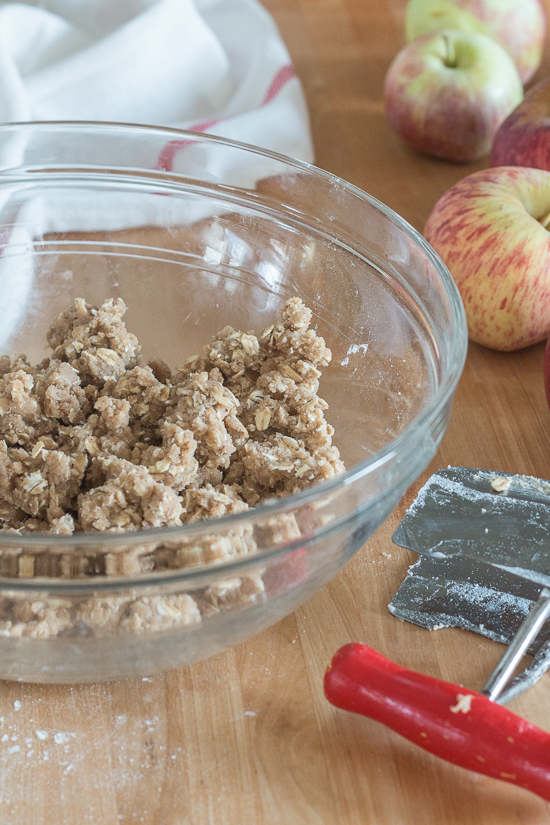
x=247, y=736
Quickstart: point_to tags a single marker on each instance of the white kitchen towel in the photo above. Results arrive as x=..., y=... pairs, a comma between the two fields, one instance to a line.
x=217, y=66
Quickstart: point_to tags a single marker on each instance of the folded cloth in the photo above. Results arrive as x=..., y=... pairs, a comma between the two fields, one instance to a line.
x=215, y=66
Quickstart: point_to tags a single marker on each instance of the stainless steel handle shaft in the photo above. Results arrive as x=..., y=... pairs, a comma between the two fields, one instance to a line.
x=497, y=681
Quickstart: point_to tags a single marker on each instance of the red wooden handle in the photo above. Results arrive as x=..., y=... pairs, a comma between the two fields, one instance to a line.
x=447, y=720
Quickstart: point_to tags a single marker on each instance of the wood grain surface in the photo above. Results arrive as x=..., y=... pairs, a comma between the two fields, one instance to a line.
x=247, y=736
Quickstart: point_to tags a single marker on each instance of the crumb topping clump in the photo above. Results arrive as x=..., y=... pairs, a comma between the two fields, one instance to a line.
x=94, y=439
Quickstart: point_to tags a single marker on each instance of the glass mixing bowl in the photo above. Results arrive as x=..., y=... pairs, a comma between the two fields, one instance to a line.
x=194, y=233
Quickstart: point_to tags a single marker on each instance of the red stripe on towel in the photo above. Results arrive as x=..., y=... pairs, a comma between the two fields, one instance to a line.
x=166, y=158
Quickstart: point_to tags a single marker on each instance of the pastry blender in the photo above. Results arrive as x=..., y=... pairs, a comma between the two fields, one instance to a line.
x=484, y=544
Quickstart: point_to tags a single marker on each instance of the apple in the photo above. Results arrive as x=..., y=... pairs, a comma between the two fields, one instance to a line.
x=447, y=93
x=523, y=139
x=518, y=25
x=490, y=229
x=547, y=372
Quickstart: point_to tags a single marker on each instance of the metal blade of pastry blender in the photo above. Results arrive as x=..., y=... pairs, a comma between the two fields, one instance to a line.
x=498, y=519
x=452, y=587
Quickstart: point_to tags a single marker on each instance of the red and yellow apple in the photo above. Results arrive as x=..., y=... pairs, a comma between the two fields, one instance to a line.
x=447, y=93
x=518, y=25
x=490, y=230
x=523, y=139
x=546, y=373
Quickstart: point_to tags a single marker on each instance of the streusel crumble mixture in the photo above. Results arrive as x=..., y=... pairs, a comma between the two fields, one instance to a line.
x=93, y=439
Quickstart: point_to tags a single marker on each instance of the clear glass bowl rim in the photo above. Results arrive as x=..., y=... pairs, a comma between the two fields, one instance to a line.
x=457, y=348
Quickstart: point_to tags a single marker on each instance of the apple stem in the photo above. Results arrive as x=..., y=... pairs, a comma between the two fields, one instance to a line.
x=450, y=57
x=546, y=220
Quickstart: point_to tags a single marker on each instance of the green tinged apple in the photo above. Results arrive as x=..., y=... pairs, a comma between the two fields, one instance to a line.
x=447, y=93
x=518, y=25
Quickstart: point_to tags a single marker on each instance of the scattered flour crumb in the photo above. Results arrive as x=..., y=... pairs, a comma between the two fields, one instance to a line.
x=249, y=713
x=501, y=484
x=41, y=734
x=352, y=350
x=463, y=703
x=62, y=738
x=17, y=705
